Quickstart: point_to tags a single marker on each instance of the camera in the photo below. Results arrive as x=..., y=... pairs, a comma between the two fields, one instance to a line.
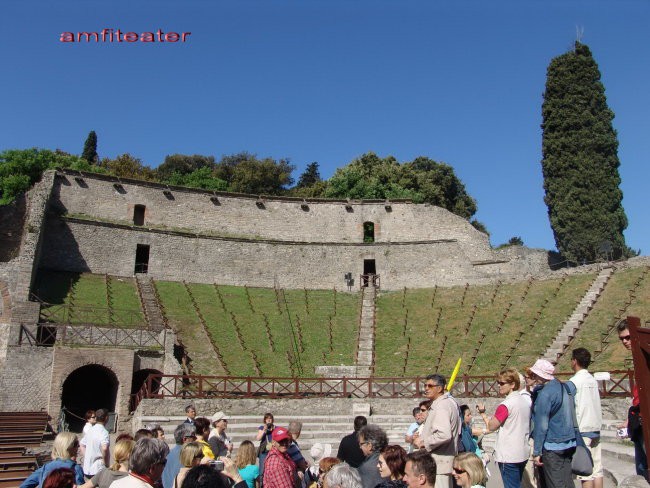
x=269, y=426
x=216, y=464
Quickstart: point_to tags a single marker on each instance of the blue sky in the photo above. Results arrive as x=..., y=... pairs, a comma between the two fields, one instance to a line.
x=326, y=81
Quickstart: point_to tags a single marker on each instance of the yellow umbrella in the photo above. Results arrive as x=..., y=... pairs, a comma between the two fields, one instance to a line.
x=450, y=383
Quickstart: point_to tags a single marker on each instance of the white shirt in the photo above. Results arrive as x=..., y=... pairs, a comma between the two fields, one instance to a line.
x=93, y=441
x=588, y=409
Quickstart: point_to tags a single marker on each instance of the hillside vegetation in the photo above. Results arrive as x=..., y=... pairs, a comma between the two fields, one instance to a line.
x=266, y=332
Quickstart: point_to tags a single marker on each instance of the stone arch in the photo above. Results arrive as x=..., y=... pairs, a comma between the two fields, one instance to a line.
x=88, y=387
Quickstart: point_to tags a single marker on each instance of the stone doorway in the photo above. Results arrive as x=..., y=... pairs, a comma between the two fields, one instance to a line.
x=141, y=258
x=88, y=388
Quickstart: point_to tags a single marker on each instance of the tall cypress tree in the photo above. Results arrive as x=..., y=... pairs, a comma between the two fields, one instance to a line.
x=580, y=160
x=90, y=148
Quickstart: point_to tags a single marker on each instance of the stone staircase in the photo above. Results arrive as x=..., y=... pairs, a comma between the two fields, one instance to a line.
x=149, y=301
x=366, y=347
x=572, y=325
x=327, y=429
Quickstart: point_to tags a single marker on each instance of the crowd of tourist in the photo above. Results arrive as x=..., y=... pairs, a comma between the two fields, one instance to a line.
x=540, y=424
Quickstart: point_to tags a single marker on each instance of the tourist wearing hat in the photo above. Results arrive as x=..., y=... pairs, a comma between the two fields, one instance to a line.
x=219, y=442
x=554, y=440
x=317, y=452
x=279, y=470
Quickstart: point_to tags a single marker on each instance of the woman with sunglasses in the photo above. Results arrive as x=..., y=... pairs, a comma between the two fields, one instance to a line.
x=469, y=471
x=512, y=422
x=391, y=463
x=191, y=455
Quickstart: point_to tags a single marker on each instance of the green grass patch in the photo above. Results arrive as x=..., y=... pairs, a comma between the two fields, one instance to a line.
x=82, y=298
x=626, y=294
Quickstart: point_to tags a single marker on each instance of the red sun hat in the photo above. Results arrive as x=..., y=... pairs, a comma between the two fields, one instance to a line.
x=280, y=434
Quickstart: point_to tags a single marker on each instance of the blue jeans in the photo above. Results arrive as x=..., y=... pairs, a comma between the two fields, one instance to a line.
x=511, y=474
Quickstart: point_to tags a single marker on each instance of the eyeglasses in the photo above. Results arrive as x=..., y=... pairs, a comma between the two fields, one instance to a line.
x=363, y=443
x=430, y=385
x=501, y=383
x=459, y=471
x=284, y=442
x=625, y=338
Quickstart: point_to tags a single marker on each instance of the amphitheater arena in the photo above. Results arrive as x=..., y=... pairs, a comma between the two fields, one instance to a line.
x=100, y=224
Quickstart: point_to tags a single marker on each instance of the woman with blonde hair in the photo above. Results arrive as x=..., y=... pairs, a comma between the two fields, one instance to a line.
x=246, y=463
x=191, y=455
x=64, y=455
x=119, y=468
x=511, y=420
x=469, y=471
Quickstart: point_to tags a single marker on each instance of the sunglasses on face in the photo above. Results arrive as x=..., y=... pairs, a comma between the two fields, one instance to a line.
x=423, y=410
x=501, y=383
x=625, y=338
x=459, y=471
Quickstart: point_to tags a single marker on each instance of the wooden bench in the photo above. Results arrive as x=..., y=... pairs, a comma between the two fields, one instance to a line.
x=13, y=478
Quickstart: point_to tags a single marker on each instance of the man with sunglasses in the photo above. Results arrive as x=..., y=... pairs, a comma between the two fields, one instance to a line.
x=634, y=422
x=441, y=431
x=279, y=470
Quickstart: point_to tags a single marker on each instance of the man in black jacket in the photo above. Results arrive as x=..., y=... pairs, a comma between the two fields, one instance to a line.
x=349, y=450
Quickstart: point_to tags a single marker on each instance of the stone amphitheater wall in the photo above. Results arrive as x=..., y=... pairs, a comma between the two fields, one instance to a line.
x=282, y=244
x=279, y=219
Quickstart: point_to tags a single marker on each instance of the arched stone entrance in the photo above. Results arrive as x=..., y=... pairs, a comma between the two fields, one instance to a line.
x=88, y=388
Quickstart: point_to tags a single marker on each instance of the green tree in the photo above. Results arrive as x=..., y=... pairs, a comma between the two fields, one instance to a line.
x=246, y=173
x=421, y=180
x=310, y=176
x=127, y=166
x=90, y=148
x=21, y=168
x=580, y=159
x=183, y=164
x=200, y=178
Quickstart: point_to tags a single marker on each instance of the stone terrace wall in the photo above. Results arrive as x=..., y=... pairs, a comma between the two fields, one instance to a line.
x=280, y=219
x=613, y=408
x=85, y=246
x=237, y=243
x=25, y=383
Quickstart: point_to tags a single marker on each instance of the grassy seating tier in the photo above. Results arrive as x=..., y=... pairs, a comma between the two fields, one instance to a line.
x=489, y=327
x=83, y=298
x=263, y=331
x=626, y=294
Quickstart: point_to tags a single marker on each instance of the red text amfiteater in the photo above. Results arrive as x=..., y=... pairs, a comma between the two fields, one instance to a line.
x=116, y=35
